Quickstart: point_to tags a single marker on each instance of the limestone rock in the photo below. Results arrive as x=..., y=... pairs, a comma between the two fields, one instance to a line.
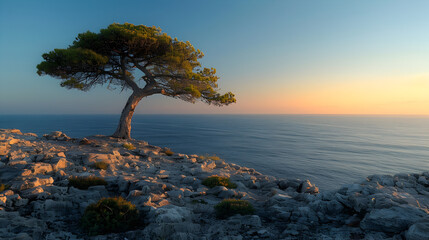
x=172, y=214
x=392, y=220
x=31, y=183
x=308, y=187
x=418, y=231
x=57, y=135
x=3, y=200
x=169, y=191
x=41, y=168
x=59, y=163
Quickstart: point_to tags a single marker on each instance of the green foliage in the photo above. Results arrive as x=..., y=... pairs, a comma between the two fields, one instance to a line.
x=86, y=182
x=209, y=157
x=215, y=180
x=101, y=165
x=114, y=55
x=110, y=215
x=168, y=152
x=4, y=187
x=230, y=207
x=128, y=146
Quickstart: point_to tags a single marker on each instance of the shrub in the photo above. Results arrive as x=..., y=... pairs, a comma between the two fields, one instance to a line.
x=101, y=165
x=168, y=152
x=230, y=207
x=110, y=215
x=208, y=157
x=128, y=146
x=3, y=187
x=214, y=181
x=86, y=182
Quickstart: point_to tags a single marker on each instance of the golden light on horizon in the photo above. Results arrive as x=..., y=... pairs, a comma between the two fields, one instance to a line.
x=400, y=95
x=404, y=95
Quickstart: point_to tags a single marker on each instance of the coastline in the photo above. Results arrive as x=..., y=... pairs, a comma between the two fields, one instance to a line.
x=40, y=204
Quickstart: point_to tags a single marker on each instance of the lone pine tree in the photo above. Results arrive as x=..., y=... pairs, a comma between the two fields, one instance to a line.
x=135, y=57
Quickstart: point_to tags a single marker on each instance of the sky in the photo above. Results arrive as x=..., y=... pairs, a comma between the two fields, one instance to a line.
x=278, y=57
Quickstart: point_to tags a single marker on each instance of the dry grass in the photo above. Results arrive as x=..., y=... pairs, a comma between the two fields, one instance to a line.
x=101, y=165
x=230, y=207
x=86, y=182
x=3, y=187
x=129, y=146
x=209, y=157
x=168, y=152
x=215, y=180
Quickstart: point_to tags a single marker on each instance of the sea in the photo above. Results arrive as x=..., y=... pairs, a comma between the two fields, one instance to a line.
x=329, y=150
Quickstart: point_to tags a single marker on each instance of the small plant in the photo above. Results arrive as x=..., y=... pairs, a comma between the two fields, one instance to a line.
x=129, y=146
x=201, y=201
x=101, y=165
x=215, y=180
x=3, y=187
x=110, y=215
x=86, y=182
x=230, y=207
x=209, y=157
x=168, y=152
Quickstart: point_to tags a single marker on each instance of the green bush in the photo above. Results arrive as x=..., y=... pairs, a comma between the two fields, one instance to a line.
x=101, y=165
x=168, y=152
x=86, y=182
x=230, y=207
x=214, y=181
x=3, y=187
x=128, y=146
x=110, y=215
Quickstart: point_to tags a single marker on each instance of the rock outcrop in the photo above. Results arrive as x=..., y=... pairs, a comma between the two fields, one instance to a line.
x=40, y=204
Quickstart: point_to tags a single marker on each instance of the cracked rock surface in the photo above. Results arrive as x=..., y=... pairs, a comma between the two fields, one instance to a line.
x=40, y=204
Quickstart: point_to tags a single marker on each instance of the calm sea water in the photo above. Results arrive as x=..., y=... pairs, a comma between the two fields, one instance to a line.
x=328, y=150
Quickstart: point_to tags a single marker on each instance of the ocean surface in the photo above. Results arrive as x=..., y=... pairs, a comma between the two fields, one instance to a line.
x=329, y=150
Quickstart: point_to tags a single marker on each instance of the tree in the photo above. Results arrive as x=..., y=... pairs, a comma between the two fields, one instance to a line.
x=135, y=57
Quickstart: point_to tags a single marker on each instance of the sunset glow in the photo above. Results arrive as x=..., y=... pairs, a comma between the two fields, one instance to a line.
x=301, y=61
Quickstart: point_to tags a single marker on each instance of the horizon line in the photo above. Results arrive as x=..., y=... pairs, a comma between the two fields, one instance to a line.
x=291, y=114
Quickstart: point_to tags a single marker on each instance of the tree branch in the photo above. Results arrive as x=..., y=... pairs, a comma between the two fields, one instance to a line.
x=150, y=79
x=129, y=81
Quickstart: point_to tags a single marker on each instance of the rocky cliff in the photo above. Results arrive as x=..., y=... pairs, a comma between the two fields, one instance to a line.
x=37, y=201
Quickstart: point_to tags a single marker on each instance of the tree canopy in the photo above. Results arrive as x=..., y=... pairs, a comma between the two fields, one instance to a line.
x=136, y=57
x=167, y=66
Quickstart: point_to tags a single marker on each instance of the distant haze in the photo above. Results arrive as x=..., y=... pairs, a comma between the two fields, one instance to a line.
x=278, y=57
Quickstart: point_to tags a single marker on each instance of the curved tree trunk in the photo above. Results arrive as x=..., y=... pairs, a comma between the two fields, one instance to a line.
x=124, y=127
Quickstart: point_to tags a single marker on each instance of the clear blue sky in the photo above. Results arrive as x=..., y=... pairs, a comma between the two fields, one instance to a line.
x=277, y=56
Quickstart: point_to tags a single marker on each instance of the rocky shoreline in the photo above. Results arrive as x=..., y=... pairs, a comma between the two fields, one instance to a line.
x=38, y=202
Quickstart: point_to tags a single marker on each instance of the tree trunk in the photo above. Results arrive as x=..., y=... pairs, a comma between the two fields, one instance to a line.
x=124, y=127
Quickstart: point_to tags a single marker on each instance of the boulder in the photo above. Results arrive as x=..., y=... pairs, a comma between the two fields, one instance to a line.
x=41, y=168
x=172, y=214
x=423, y=180
x=308, y=187
x=418, y=231
x=4, y=148
x=392, y=220
x=59, y=163
x=57, y=135
x=252, y=221
x=3, y=200
x=32, y=193
x=31, y=183
x=50, y=209
x=175, y=194
x=91, y=158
